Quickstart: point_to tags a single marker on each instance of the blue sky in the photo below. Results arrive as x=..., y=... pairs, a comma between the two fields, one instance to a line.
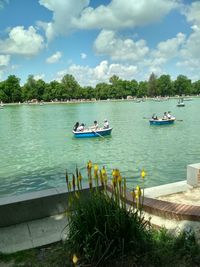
x=93, y=40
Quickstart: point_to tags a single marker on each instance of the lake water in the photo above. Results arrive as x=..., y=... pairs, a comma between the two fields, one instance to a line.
x=37, y=144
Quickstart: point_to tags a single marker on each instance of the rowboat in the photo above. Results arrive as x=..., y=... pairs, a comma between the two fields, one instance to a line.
x=92, y=133
x=162, y=121
x=180, y=103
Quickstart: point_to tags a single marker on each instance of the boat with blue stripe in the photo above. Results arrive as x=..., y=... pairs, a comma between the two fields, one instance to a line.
x=162, y=121
x=93, y=133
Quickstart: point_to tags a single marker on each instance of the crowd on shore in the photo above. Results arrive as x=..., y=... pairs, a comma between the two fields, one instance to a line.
x=72, y=101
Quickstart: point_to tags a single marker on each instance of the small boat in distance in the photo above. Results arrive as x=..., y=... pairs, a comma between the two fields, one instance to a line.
x=180, y=103
x=162, y=121
x=93, y=133
x=188, y=99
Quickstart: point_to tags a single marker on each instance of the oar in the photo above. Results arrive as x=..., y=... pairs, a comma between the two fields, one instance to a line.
x=179, y=120
x=98, y=134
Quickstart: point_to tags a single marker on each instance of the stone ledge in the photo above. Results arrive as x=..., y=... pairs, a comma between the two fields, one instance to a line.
x=166, y=209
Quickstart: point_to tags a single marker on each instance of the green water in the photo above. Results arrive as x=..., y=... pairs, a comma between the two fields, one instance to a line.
x=37, y=144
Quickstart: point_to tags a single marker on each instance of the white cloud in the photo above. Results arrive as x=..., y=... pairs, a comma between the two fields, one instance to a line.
x=63, y=14
x=22, y=42
x=4, y=60
x=86, y=75
x=54, y=58
x=190, y=52
x=192, y=12
x=164, y=52
x=39, y=76
x=118, y=14
x=83, y=56
x=169, y=48
x=109, y=44
x=124, y=13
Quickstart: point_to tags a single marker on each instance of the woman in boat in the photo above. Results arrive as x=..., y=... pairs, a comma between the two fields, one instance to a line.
x=106, y=124
x=76, y=126
x=154, y=117
x=80, y=128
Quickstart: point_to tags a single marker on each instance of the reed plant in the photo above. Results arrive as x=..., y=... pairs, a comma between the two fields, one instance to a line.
x=101, y=227
x=105, y=231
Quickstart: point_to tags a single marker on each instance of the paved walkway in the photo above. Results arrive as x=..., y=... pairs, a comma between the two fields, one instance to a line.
x=189, y=197
x=32, y=234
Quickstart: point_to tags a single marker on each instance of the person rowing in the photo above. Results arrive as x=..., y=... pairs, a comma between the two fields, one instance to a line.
x=95, y=126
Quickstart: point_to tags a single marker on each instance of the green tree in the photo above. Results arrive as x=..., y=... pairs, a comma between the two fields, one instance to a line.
x=29, y=90
x=165, y=85
x=12, y=89
x=196, y=88
x=40, y=88
x=182, y=85
x=152, y=85
x=102, y=91
x=142, y=89
x=70, y=87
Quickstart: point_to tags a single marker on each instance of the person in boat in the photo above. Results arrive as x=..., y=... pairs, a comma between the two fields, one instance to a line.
x=95, y=126
x=165, y=116
x=169, y=116
x=154, y=117
x=81, y=128
x=76, y=126
x=106, y=124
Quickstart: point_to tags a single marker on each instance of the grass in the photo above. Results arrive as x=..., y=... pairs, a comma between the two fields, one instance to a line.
x=54, y=255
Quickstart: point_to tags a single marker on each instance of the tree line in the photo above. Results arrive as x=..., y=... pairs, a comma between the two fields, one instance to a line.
x=68, y=88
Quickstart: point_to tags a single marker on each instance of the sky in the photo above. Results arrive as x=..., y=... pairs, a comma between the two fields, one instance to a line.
x=94, y=40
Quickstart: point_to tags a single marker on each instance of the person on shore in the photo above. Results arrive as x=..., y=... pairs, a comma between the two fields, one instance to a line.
x=106, y=124
x=76, y=126
x=81, y=128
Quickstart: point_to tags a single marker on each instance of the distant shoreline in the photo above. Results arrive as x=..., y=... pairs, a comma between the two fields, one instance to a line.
x=78, y=101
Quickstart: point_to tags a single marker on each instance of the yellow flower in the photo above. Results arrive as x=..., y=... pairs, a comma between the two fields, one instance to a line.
x=114, y=173
x=89, y=165
x=143, y=174
x=75, y=259
x=138, y=191
x=119, y=179
x=96, y=167
x=103, y=171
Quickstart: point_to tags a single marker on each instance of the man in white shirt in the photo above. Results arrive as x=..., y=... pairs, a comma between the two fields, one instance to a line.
x=106, y=124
